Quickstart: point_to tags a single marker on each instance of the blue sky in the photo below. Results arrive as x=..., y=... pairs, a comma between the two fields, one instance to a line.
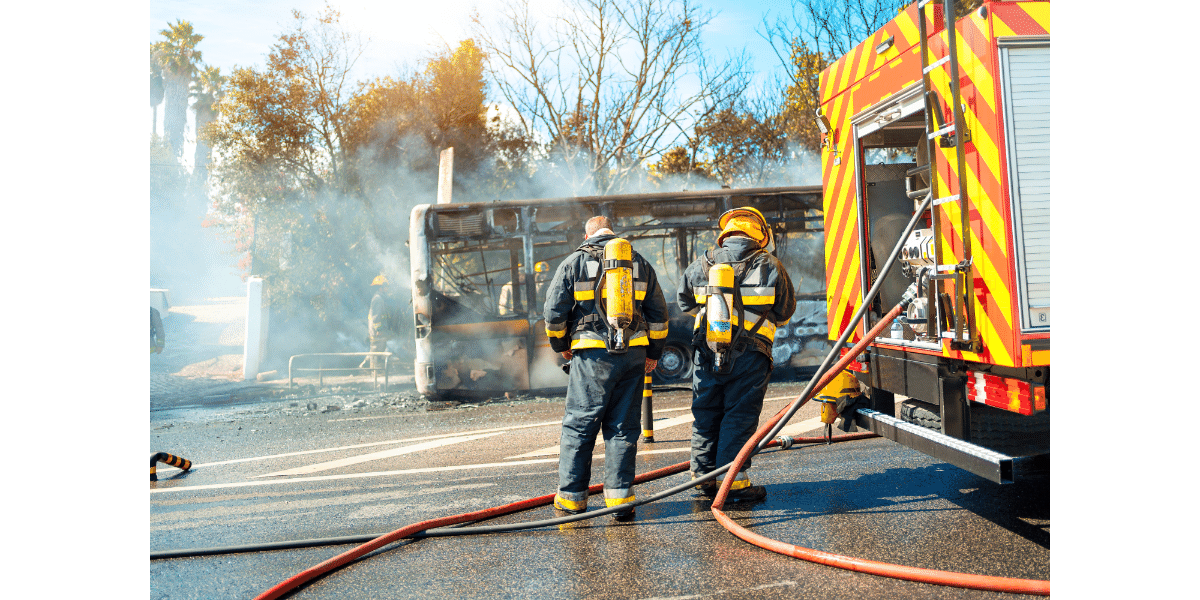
x=403, y=33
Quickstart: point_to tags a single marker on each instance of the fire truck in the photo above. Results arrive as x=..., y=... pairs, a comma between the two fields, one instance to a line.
x=937, y=148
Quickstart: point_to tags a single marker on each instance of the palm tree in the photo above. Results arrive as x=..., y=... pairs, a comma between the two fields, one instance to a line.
x=179, y=59
x=208, y=90
x=156, y=89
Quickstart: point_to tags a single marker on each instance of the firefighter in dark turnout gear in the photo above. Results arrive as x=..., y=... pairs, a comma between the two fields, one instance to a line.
x=730, y=379
x=599, y=286
x=379, y=323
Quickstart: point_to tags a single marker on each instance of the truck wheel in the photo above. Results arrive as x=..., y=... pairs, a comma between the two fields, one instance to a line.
x=675, y=364
x=1010, y=433
x=920, y=413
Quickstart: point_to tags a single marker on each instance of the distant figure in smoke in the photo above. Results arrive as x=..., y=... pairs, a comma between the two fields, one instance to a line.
x=379, y=323
x=158, y=335
x=541, y=275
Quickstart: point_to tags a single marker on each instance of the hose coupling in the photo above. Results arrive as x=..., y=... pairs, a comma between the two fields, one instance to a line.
x=170, y=459
x=785, y=442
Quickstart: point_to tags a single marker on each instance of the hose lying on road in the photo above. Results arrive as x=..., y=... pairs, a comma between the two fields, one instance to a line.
x=822, y=378
x=789, y=441
x=286, y=586
x=948, y=578
x=756, y=444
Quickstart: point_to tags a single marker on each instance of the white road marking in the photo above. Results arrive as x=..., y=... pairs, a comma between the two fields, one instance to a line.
x=658, y=425
x=362, y=458
x=162, y=468
x=788, y=430
x=801, y=427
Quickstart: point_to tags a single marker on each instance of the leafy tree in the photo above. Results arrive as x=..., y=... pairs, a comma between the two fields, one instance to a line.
x=744, y=147
x=601, y=84
x=281, y=163
x=680, y=161
x=179, y=58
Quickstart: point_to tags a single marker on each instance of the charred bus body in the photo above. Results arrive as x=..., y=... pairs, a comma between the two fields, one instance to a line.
x=477, y=273
x=956, y=112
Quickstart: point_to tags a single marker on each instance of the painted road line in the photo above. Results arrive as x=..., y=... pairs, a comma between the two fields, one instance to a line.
x=801, y=427
x=382, y=454
x=217, y=486
x=368, y=445
x=658, y=426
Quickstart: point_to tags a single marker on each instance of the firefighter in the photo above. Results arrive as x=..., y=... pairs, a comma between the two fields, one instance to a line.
x=740, y=292
x=606, y=314
x=541, y=275
x=379, y=323
x=158, y=335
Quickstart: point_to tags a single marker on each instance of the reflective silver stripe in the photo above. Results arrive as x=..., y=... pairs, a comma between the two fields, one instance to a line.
x=556, y=326
x=657, y=326
x=585, y=286
x=639, y=286
x=593, y=268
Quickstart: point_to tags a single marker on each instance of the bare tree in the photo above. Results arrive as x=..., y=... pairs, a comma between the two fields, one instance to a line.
x=608, y=84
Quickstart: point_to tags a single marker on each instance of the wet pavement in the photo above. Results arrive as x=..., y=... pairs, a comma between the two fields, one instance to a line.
x=273, y=464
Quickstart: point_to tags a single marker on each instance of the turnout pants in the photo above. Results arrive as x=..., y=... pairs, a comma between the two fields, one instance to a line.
x=726, y=410
x=604, y=394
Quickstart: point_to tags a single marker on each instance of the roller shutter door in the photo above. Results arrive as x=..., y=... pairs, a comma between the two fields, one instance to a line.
x=1026, y=81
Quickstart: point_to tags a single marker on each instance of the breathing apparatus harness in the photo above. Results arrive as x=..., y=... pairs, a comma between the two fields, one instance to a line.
x=716, y=331
x=615, y=314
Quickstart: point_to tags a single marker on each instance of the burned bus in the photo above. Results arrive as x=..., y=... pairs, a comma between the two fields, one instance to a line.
x=479, y=271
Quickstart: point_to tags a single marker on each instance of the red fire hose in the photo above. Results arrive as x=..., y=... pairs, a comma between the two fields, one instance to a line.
x=948, y=578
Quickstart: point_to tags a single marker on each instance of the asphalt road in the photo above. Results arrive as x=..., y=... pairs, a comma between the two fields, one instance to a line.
x=279, y=467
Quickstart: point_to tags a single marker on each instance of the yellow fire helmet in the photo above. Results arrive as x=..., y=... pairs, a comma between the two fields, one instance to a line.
x=541, y=266
x=747, y=221
x=379, y=280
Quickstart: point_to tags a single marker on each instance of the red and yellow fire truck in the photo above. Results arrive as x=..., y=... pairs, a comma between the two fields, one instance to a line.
x=944, y=121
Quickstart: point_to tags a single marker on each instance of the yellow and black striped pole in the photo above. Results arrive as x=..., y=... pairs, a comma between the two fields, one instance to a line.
x=648, y=411
x=169, y=459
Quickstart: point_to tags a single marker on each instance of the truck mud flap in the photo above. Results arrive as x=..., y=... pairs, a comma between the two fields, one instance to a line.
x=981, y=461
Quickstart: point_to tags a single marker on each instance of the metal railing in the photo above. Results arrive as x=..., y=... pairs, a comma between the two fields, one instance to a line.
x=321, y=369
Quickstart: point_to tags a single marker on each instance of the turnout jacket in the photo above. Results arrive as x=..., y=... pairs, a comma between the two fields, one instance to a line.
x=765, y=288
x=571, y=296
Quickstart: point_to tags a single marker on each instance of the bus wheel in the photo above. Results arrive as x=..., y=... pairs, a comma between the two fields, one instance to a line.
x=675, y=363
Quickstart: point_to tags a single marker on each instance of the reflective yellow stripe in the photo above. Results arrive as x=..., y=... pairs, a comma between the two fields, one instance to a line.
x=658, y=335
x=584, y=344
x=581, y=295
x=560, y=502
x=756, y=300
x=556, y=334
x=618, y=501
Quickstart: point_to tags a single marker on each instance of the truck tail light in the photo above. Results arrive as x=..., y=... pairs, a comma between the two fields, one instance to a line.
x=1013, y=395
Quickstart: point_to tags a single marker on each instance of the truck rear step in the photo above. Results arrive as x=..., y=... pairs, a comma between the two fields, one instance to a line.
x=981, y=461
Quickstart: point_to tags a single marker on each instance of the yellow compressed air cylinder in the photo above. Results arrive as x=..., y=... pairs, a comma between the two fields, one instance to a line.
x=618, y=289
x=719, y=312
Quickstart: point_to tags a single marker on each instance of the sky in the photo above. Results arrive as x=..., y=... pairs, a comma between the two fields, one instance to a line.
x=402, y=34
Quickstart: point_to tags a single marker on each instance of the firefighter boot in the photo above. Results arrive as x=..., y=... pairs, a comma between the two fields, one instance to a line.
x=569, y=506
x=621, y=515
x=742, y=492
x=708, y=488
